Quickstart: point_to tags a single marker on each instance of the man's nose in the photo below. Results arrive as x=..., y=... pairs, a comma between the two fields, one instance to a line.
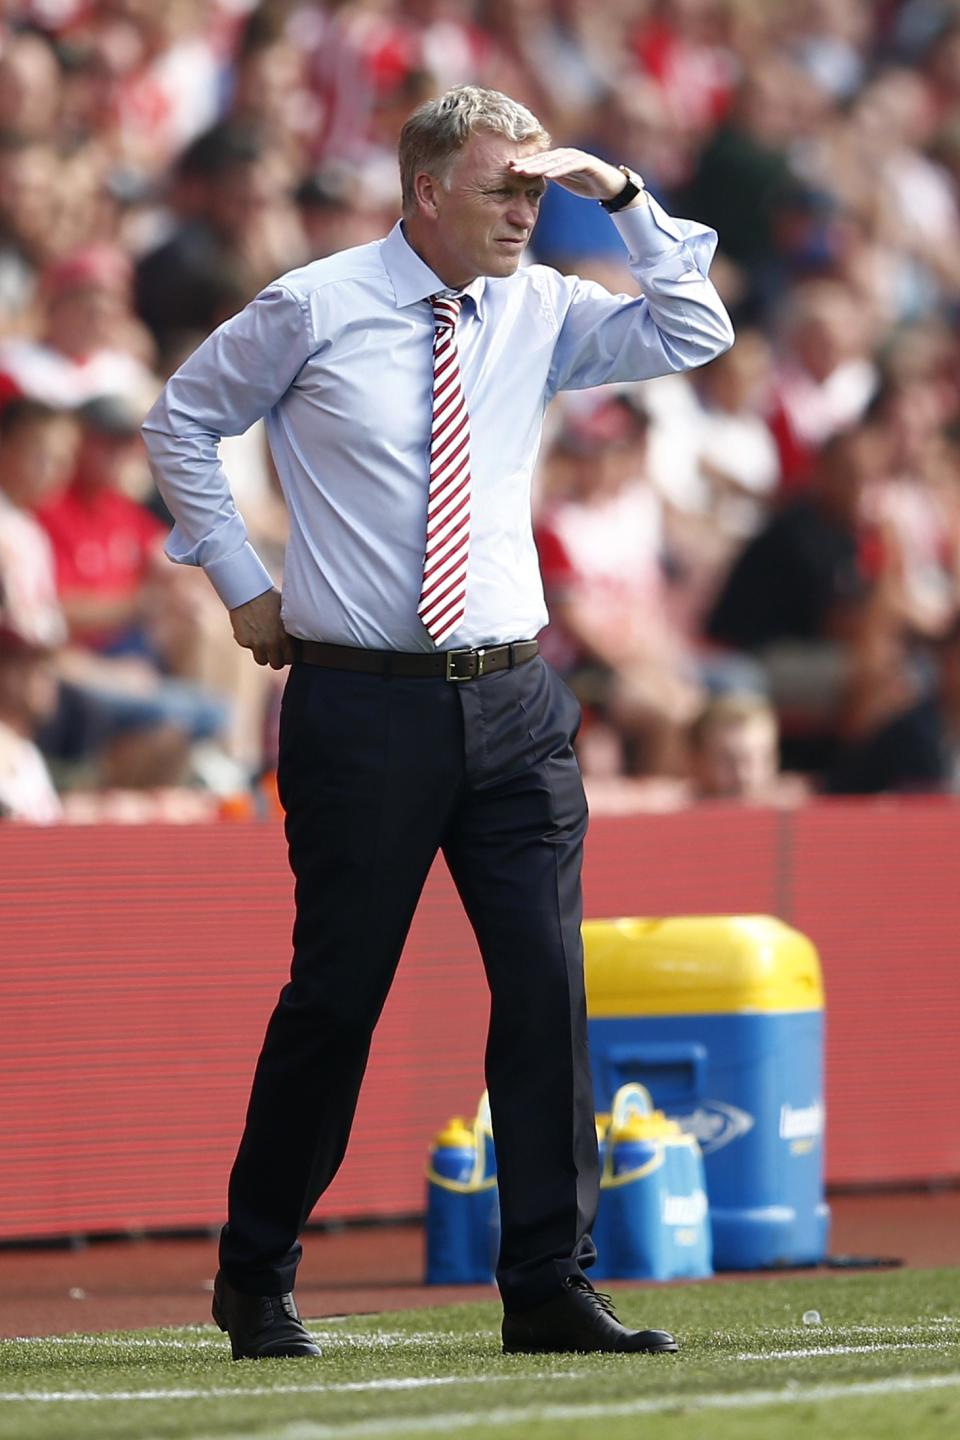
x=523, y=212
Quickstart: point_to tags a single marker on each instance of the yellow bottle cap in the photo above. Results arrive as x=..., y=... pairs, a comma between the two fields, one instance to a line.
x=456, y=1135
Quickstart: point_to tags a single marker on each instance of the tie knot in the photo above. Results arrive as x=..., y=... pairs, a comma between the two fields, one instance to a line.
x=446, y=310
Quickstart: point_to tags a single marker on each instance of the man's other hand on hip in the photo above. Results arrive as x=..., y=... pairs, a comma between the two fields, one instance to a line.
x=257, y=627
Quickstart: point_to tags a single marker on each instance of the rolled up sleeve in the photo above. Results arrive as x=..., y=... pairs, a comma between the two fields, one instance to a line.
x=678, y=322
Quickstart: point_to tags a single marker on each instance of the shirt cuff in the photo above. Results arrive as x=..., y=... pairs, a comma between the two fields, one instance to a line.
x=647, y=230
x=664, y=249
x=239, y=577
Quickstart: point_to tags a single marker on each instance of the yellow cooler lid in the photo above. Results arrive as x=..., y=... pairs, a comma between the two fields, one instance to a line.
x=699, y=965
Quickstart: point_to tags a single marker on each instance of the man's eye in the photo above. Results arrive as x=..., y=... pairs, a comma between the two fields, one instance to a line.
x=535, y=195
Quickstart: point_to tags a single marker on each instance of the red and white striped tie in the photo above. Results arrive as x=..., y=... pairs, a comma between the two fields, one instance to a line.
x=443, y=595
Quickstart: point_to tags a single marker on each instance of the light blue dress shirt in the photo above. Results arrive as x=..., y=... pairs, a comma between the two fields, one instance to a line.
x=338, y=357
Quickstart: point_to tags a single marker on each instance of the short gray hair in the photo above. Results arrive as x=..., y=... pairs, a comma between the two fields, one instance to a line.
x=437, y=131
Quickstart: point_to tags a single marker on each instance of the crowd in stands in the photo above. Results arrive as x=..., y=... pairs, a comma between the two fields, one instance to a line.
x=753, y=571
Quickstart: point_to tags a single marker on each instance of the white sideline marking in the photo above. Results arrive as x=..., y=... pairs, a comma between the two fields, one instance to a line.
x=333, y=1339
x=113, y=1342
x=942, y=1326
x=945, y=1328
x=199, y=1334
x=238, y=1392
x=383, y=1428
x=940, y=1323
x=792, y=1394
x=822, y=1350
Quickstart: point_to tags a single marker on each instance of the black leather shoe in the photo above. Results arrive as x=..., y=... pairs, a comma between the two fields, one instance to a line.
x=578, y=1320
x=261, y=1327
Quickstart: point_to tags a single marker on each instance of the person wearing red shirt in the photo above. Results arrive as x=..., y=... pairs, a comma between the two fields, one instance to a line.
x=104, y=543
x=115, y=593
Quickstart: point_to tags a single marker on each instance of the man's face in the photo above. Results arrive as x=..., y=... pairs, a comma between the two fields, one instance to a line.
x=240, y=197
x=484, y=213
x=38, y=459
x=104, y=460
x=739, y=760
x=85, y=319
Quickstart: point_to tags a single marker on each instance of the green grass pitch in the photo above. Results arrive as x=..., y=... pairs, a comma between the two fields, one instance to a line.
x=883, y=1364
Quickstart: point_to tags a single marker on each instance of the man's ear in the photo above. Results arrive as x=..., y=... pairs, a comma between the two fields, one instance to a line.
x=425, y=188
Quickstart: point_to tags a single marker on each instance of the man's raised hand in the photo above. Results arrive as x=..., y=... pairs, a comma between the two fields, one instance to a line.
x=583, y=174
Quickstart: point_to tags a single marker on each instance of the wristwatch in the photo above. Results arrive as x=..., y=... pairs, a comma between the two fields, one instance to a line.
x=632, y=188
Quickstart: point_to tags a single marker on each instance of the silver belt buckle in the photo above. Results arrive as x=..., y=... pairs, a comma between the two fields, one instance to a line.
x=454, y=655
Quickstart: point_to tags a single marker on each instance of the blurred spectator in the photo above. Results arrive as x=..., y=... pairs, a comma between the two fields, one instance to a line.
x=234, y=230
x=809, y=596
x=269, y=88
x=37, y=447
x=714, y=462
x=683, y=45
x=573, y=48
x=90, y=343
x=140, y=80
x=941, y=58
x=824, y=376
x=335, y=212
x=28, y=176
x=28, y=696
x=794, y=580
x=734, y=754
x=743, y=175
x=731, y=757
x=29, y=87
x=120, y=598
x=918, y=747
x=915, y=501
x=125, y=602
x=830, y=42
x=886, y=171
x=737, y=455
x=602, y=552
x=350, y=49
x=105, y=544
x=115, y=721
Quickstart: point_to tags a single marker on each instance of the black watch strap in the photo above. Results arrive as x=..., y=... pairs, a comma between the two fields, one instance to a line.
x=629, y=192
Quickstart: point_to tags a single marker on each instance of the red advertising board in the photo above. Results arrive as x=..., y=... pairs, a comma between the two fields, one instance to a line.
x=138, y=966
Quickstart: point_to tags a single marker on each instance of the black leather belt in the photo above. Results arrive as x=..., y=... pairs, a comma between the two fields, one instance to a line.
x=441, y=665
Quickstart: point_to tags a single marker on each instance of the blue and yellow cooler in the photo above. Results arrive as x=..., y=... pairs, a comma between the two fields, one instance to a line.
x=721, y=1018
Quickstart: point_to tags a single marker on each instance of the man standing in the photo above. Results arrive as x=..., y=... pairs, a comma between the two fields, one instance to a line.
x=404, y=384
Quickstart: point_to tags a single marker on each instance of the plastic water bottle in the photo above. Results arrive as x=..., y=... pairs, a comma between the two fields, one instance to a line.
x=454, y=1152
x=462, y=1209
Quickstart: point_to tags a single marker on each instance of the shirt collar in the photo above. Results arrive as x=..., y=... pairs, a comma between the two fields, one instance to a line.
x=412, y=278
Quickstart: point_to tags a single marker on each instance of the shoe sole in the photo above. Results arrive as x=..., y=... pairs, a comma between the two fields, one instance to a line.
x=580, y=1350
x=288, y=1352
